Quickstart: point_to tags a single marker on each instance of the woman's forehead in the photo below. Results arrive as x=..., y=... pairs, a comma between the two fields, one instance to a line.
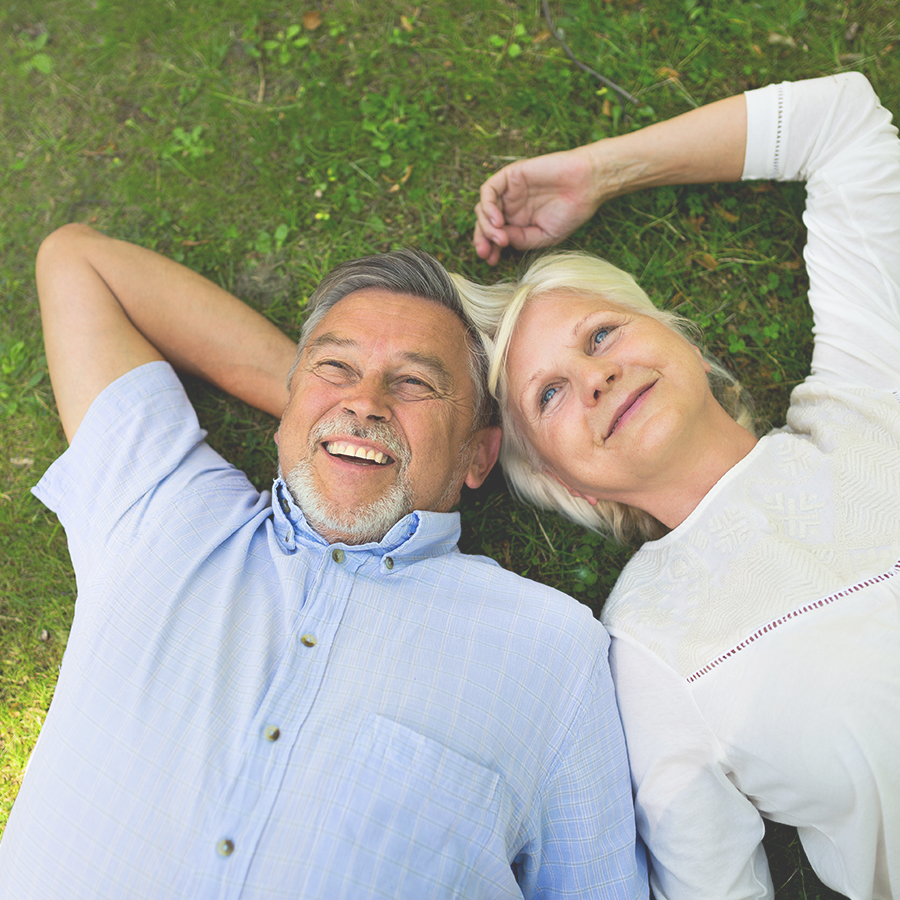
x=565, y=308
x=580, y=299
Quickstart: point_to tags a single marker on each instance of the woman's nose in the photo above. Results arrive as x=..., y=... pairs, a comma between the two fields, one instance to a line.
x=597, y=375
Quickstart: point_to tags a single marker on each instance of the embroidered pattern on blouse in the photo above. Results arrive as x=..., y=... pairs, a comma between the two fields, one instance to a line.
x=800, y=516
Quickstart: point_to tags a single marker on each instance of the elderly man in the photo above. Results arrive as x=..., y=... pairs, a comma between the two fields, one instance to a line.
x=319, y=696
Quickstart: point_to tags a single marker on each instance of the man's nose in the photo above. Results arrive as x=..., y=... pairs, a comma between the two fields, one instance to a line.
x=597, y=375
x=368, y=400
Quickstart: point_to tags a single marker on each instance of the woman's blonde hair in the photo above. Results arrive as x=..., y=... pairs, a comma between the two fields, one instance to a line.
x=494, y=311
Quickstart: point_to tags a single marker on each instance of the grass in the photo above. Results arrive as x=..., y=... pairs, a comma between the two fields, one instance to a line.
x=261, y=143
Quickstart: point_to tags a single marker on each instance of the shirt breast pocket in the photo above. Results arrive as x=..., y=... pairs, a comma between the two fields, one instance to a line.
x=421, y=820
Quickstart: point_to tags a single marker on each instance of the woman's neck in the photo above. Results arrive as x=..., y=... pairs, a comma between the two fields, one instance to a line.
x=726, y=445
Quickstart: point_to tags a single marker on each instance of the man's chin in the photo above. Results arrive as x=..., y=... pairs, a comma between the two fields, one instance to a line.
x=350, y=522
x=365, y=525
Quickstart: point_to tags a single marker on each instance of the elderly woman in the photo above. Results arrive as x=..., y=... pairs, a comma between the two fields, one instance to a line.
x=756, y=633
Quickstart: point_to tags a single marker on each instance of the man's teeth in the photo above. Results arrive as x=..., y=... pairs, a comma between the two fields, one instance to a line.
x=341, y=448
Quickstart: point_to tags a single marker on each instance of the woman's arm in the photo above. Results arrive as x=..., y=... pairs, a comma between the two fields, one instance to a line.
x=834, y=134
x=703, y=835
x=108, y=306
x=538, y=202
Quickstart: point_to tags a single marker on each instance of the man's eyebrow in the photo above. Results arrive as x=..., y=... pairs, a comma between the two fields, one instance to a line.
x=329, y=339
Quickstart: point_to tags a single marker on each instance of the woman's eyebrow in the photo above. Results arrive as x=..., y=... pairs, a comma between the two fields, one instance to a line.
x=538, y=378
x=579, y=325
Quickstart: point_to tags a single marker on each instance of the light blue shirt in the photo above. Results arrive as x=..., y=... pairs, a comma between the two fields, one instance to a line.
x=246, y=711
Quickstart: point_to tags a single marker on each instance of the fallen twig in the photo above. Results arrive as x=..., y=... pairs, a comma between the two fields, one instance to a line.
x=622, y=93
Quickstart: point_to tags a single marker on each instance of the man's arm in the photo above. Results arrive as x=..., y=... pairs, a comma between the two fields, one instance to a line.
x=589, y=845
x=108, y=306
x=538, y=202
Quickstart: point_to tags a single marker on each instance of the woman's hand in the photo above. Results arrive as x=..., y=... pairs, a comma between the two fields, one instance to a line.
x=539, y=202
x=536, y=202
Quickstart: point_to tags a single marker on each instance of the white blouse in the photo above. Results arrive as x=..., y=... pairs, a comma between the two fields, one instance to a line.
x=756, y=647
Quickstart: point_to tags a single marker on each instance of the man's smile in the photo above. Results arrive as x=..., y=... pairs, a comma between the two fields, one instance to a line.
x=357, y=453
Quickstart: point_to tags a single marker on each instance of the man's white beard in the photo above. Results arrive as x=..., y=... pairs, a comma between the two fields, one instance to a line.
x=360, y=524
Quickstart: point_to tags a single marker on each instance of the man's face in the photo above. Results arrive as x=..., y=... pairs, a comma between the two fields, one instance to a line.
x=379, y=420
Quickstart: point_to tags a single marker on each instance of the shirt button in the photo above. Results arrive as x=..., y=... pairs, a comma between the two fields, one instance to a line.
x=337, y=555
x=285, y=506
x=225, y=847
x=272, y=733
x=388, y=562
x=308, y=640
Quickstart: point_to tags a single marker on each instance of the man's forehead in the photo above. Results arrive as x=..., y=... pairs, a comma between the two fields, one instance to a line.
x=378, y=314
x=376, y=295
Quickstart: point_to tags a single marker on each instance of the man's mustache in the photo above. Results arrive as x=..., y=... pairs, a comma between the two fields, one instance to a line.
x=346, y=425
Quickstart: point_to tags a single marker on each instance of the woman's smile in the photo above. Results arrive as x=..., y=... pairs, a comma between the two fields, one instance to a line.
x=629, y=407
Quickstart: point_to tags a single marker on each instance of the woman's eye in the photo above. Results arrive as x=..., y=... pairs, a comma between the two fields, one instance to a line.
x=547, y=396
x=600, y=335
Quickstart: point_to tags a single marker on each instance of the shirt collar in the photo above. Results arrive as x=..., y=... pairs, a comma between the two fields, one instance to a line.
x=418, y=535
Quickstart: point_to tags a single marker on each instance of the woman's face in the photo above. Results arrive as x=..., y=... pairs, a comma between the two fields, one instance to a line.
x=615, y=403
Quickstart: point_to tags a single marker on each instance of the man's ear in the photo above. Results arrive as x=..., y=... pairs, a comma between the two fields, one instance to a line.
x=487, y=447
x=276, y=437
x=582, y=496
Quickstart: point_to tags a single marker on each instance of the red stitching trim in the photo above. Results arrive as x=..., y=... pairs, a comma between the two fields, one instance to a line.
x=771, y=626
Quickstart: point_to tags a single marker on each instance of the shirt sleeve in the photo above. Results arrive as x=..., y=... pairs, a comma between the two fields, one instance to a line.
x=703, y=835
x=138, y=450
x=589, y=844
x=833, y=134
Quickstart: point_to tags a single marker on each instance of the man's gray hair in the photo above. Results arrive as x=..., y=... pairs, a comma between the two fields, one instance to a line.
x=412, y=272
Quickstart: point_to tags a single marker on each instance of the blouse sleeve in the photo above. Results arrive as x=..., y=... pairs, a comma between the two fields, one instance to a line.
x=834, y=134
x=703, y=835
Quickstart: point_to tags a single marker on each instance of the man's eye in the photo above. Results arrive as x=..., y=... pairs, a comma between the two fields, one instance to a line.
x=332, y=369
x=547, y=396
x=414, y=385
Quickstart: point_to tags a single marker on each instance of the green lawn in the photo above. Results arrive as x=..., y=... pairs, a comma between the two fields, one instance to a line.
x=261, y=143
